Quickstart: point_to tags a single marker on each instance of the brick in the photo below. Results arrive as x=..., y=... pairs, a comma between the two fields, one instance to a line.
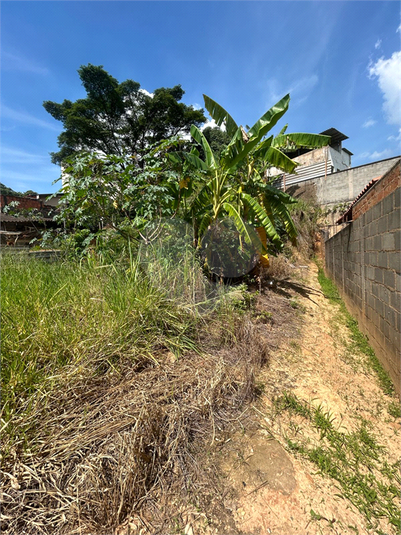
x=395, y=300
x=378, y=306
x=397, y=198
x=377, y=243
x=389, y=279
x=398, y=282
x=388, y=241
x=376, y=211
x=388, y=204
x=382, y=259
x=397, y=240
x=378, y=276
x=384, y=294
x=394, y=221
x=394, y=261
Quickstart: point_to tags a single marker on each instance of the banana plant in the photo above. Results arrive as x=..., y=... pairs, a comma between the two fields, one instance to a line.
x=235, y=186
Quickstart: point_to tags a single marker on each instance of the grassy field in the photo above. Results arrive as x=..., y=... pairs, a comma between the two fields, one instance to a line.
x=113, y=375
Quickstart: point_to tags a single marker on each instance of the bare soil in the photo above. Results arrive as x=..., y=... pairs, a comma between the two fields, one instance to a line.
x=275, y=491
x=256, y=484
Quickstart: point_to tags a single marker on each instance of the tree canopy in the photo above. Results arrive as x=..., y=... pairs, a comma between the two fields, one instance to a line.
x=119, y=118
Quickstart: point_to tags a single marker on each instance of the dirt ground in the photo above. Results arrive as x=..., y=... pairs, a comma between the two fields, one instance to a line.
x=262, y=487
x=278, y=492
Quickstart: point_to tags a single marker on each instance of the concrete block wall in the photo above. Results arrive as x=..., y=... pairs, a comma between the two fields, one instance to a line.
x=342, y=186
x=364, y=260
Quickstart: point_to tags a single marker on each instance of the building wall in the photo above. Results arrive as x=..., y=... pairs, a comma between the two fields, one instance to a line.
x=364, y=261
x=24, y=202
x=341, y=187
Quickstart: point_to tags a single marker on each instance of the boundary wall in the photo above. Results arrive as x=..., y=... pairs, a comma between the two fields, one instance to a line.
x=364, y=260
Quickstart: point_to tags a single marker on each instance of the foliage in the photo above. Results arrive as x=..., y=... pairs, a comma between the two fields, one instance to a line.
x=234, y=184
x=354, y=459
x=359, y=341
x=5, y=190
x=56, y=313
x=218, y=140
x=119, y=118
x=115, y=191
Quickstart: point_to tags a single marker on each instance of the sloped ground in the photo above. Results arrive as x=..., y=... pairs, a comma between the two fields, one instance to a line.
x=282, y=429
x=315, y=464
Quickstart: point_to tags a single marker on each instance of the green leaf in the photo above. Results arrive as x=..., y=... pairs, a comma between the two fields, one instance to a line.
x=280, y=209
x=196, y=162
x=200, y=138
x=203, y=225
x=237, y=150
x=220, y=115
x=283, y=129
x=300, y=140
x=262, y=150
x=263, y=218
x=278, y=193
x=270, y=118
x=246, y=230
x=278, y=159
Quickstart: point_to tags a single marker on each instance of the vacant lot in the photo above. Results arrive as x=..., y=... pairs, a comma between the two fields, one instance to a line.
x=133, y=408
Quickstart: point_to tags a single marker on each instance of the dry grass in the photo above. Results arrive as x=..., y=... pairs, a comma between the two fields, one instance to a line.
x=108, y=448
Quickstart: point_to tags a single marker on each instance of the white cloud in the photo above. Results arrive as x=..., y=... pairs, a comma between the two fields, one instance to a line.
x=212, y=124
x=147, y=93
x=388, y=73
x=395, y=138
x=13, y=62
x=398, y=29
x=12, y=155
x=368, y=123
x=27, y=118
x=378, y=44
x=376, y=155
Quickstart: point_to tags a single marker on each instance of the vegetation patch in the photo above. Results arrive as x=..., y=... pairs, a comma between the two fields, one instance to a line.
x=359, y=341
x=354, y=459
x=114, y=391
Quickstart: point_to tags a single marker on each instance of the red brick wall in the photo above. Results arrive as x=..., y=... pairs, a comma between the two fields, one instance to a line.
x=24, y=202
x=383, y=187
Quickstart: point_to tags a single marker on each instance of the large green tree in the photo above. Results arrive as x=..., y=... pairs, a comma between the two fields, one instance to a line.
x=119, y=118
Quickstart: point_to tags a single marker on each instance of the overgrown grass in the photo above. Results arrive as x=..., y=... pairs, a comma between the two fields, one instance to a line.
x=115, y=380
x=68, y=318
x=359, y=340
x=355, y=459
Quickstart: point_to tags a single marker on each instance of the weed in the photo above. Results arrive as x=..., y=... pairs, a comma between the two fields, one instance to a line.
x=297, y=306
x=359, y=341
x=354, y=459
x=394, y=409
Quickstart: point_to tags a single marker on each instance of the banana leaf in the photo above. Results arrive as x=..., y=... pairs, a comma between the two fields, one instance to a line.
x=246, y=230
x=263, y=218
x=270, y=118
x=200, y=138
x=220, y=115
x=300, y=140
x=278, y=159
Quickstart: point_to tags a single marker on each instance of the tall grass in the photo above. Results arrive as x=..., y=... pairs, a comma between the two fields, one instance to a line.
x=68, y=318
x=100, y=418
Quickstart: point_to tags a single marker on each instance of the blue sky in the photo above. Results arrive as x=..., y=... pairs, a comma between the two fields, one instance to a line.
x=340, y=61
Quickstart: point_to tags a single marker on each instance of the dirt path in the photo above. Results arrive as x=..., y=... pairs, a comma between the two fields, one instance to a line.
x=279, y=490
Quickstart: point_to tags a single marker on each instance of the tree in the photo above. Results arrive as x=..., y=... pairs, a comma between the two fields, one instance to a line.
x=119, y=118
x=218, y=139
x=234, y=184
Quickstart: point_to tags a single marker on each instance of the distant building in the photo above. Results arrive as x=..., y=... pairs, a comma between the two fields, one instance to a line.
x=317, y=162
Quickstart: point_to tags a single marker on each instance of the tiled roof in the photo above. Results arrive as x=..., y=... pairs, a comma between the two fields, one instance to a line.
x=348, y=214
x=22, y=219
